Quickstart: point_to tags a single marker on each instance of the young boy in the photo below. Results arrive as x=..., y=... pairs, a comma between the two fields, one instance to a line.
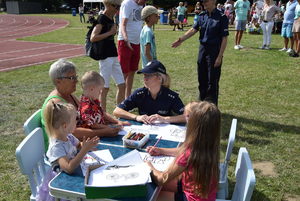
x=109, y=64
x=91, y=114
x=147, y=41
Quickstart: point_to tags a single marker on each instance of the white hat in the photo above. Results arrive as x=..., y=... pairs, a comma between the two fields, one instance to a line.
x=149, y=10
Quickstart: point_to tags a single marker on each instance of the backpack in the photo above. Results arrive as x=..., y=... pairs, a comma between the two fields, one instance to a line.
x=93, y=49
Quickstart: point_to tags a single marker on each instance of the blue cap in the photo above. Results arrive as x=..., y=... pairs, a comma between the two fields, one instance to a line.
x=153, y=67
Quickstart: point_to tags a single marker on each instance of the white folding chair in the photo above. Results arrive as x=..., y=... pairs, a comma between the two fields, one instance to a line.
x=245, y=178
x=30, y=157
x=32, y=122
x=223, y=181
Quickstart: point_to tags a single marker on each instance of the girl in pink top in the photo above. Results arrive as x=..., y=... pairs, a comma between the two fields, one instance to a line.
x=193, y=176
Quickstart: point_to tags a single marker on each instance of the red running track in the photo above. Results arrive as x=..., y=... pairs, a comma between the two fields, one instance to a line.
x=17, y=54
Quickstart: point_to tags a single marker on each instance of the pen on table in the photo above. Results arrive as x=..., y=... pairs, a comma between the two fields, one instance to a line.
x=155, y=143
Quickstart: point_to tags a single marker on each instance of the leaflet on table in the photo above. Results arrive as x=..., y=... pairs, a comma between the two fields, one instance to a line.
x=173, y=133
x=95, y=158
x=167, y=131
x=126, y=170
x=160, y=163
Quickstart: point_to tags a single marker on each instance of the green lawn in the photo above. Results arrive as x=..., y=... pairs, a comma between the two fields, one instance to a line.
x=258, y=87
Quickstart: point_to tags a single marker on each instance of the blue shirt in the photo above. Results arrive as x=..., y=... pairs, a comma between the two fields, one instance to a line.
x=297, y=12
x=147, y=37
x=289, y=13
x=241, y=9
x=212, y=28
x=166, y=103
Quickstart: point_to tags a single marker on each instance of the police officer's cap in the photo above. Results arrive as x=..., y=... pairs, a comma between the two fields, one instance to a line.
x=153, y=67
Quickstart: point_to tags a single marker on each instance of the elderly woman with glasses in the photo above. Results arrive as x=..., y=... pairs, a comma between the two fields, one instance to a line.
x=64, y=77
x=155, y=102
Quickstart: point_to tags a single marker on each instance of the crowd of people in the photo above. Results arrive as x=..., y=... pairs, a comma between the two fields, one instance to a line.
x=67, y=120
x=265, y=17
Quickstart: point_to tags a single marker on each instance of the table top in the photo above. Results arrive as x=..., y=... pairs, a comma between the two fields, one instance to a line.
x=72, y=186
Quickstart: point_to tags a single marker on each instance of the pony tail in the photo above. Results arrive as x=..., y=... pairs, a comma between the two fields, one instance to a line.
x=48, y=116
x=166, y=80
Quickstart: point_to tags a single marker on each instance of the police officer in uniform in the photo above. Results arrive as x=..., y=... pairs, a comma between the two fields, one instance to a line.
x=213, y=27
x=155, y=102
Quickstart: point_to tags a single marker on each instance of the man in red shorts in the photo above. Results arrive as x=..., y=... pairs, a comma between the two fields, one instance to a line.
x=129, y=39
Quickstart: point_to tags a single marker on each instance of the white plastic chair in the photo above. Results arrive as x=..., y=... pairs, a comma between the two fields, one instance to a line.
x=32, y=122
x=223, y=181
x=245, y=178
x=30, y=157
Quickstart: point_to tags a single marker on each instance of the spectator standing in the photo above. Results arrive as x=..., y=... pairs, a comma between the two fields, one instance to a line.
x=129, y=40
x=229, y=6
x=296, y=31
x=242, y=11
x=288, y=20
x=180, y=14
x=148, y=47
x=109, y=65
x=213, y=26
x=197, y=11
x=267, y=23
x=81, y=13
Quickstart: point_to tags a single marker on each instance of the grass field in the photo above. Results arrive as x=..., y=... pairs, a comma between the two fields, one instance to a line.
x=258, y=87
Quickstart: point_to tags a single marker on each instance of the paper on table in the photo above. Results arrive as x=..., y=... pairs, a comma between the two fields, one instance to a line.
x=95, y=158
x=160, y=163
x=173, y=133
x=137, y=173
x=135, y=128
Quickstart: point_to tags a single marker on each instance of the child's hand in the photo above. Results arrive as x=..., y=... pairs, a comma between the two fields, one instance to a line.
x=153, y=151
x=124, y=123
x=113, y=131
x=89, y=143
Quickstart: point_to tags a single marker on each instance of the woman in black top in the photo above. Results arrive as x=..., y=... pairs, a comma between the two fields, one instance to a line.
x=104, y=31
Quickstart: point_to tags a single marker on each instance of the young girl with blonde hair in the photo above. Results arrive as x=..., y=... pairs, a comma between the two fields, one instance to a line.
x=63, y=153
x=195, y=169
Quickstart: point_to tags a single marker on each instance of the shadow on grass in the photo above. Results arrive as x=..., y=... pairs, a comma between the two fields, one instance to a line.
x=263, y=129
x=256, y=196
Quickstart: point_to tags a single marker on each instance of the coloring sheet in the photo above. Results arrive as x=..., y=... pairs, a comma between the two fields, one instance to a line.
x=160, y=163
x=126, y=170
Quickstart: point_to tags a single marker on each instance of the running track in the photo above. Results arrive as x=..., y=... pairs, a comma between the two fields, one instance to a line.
x=17, y=54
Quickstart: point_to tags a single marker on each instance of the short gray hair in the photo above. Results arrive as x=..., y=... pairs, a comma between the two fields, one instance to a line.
x=60, y=68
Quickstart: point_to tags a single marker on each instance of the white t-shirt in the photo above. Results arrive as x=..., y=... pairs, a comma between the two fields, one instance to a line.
x=132, y=11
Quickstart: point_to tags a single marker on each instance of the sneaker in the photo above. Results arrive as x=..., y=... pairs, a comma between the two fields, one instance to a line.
x=293, y=54
x=236, y=47
x=290, y=50
x=283, y=49
x=263, y=47
x=267, y=47
x=241, y=47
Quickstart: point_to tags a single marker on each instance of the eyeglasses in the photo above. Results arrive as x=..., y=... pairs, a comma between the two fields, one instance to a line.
x=116, y=6
x=73, y=78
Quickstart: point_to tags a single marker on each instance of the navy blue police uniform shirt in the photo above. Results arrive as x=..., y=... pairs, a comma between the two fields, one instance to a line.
x=212, y=28
x=166, y=103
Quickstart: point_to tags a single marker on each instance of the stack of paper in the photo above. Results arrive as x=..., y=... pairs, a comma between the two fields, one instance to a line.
x=128, y=170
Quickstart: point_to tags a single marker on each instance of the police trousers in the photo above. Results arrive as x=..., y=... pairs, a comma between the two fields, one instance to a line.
x=208, y=75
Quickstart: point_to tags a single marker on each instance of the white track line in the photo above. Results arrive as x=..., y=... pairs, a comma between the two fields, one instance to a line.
x=37, y=48
x=35, y=55
x=37, y=63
